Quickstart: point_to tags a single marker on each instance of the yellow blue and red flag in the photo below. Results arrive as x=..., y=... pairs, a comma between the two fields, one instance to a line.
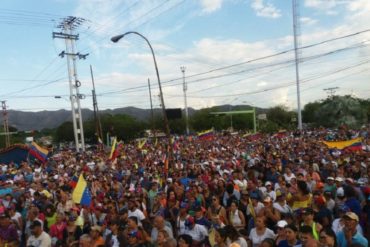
x=38, y=152
x=353, y=145
x=206, y=135
x=81, y=193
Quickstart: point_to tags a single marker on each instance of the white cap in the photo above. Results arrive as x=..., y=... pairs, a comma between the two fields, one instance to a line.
x=268, y=183
x=330, y=178
x=339, y=179
x=340, y=191
x=282, y=223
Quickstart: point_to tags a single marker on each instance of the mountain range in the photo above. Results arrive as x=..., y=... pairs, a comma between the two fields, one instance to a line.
x=25, y=121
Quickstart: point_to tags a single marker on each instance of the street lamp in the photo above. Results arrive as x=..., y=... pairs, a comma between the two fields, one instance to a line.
x=115, y=39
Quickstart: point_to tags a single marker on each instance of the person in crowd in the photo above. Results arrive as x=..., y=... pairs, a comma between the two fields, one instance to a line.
x=234, y=238
x=8, y=231
x=220, y=237
x=349, y=235
x=197, y=232
x=308, y=220
x=185, y=240
x=328, y=237
x=160, y=224
x=291, y=234
x=217, y=212
x=236, y=217
x=271, y=214
x=38, y=237
x=260, y=232
x=307, y=237
x=97, y=239
x=280, y=230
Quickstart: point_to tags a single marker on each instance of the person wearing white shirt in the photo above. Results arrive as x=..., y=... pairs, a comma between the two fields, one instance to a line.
x=260, y=232
x=39, y=238
x=134, y=211
x=198, y=232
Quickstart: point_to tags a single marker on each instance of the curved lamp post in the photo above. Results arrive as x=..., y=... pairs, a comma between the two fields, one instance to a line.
x=115, y=39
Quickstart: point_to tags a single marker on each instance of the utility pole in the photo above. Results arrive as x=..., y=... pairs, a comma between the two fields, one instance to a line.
x=151, y=108
x=295, y=7
x=185, y=88
x=331, y=91
x=98, y=128
x=5, y=124
x=68, y=25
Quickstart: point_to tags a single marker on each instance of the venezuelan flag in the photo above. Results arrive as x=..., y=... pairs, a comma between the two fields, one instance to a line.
x=114, y=144
x=81, y=194
x=38, y=152
x=206, y=135
x=353, y=145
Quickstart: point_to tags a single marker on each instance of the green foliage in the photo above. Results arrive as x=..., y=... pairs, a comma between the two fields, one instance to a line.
x=335, y=111
x=279, y=118
x=309, y=112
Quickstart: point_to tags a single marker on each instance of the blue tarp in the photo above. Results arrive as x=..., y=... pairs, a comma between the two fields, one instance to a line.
x=16, y=154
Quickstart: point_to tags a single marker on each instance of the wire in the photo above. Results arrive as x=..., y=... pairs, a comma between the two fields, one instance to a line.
x=144, y=87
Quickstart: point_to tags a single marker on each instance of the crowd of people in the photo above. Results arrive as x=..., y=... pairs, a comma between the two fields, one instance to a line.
x=283, y=190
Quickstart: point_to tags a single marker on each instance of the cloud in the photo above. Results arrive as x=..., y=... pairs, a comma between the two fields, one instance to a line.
x=210, y=6
x=307, y=21
x=267, y=10
x=321, y=4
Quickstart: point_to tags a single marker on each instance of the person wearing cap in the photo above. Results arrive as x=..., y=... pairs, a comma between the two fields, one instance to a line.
x=330, y=185
x=349, y=235
x=280, y=230
x=308, y=215
x=134, y=239
x=38, y=237
x=96, y=236
x=270, y=191
x=271, y=214
x=197, y=232
x=291, y=233
x=338, y=223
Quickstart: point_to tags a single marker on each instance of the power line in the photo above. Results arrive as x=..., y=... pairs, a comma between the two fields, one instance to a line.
x=139, y=88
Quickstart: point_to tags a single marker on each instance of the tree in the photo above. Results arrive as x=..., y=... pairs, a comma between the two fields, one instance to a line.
x=339, y=110
x=309, y=112
x=281, y=116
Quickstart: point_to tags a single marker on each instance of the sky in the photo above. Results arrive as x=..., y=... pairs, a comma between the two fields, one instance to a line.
x=234, y=52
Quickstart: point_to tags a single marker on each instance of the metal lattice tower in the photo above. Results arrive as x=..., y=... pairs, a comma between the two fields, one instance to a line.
x=5, y=124
x=68, y=25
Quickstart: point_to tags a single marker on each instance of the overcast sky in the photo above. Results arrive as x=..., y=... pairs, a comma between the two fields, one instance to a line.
x=234, y=51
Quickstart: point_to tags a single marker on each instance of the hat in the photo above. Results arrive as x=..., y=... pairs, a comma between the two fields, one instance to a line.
x=96, y=228
x=319, y=185
x=282, y=224
x=340, y=192
x=267, y=199
x=349, y=180
x=339, y=179
x=169, y=180
x=352, y=216
x=35, y=223
x=330, y=178
x=245, y=192
x=307, y=211
x=189, y=221
x=268, y=183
